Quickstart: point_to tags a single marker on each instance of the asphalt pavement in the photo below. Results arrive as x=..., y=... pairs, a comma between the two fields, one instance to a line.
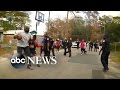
x=76, y=67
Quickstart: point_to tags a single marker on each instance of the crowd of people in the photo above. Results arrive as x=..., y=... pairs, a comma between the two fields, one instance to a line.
x=28, y=43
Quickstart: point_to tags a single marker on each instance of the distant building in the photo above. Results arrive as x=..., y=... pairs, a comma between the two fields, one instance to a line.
x=11, y=32
x=8, y=35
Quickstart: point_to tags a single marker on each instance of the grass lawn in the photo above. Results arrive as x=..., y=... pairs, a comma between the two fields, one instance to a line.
x=115, y=56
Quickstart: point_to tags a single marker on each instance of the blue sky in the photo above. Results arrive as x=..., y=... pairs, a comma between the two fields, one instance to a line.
x=62, y=15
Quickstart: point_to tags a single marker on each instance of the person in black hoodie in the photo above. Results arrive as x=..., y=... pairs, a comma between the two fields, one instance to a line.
x=105, y=52
x=78, y=42
x=51, y=46
x=65, y=46
x=46, y=46
x=69, y=44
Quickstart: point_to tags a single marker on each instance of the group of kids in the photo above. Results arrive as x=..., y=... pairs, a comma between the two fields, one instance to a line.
x=83, y=45
x=47, y=45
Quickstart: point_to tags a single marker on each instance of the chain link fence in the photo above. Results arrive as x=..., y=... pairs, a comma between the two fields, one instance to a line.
x=115, y=47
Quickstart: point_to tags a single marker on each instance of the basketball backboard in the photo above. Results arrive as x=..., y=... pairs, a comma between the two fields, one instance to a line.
x=39, y=16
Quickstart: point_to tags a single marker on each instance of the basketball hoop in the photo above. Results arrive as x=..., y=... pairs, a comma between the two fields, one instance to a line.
x=39, y=16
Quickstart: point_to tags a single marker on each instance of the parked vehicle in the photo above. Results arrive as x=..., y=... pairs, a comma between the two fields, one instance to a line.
x=74, y=44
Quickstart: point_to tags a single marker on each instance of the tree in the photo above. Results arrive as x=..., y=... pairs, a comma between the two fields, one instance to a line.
x=92, y=23
x=111, y=27
x=80, y=31
x=59, y=28
x=14, y=19
x=74, y=28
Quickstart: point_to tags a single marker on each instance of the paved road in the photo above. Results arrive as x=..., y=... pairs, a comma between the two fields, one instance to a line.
x=77, y=67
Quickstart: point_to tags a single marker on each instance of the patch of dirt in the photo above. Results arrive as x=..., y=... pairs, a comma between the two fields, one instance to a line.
x=6, y=53
x=2, y=51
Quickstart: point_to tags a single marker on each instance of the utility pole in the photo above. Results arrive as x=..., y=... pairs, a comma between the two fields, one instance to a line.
x=36, y=19
x=49, y=21
x=104, y=28
x=67, y=15
x=36, y=26
x=66, y=32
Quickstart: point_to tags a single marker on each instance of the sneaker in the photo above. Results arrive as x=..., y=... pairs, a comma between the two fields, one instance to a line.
x=29, y=67
x=105, y=70
x=64, y=54
x=38, y=65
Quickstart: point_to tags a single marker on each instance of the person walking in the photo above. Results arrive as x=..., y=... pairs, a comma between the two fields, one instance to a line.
x=90, y=46
x=65, y=46
x=69, y=44
x=58, y=44
x=82, y=46
x=105, y=53
x=42, y=44
x=46, y=46
x=51, y=47
x=23, y=39
x=95, y=46
x=77, y=43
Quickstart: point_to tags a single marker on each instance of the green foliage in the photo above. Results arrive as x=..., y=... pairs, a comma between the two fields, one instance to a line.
x=115, y=46
x=7, y=26
x=111, y=27
x=89, y=28
x=14, y=19
x=80, y=30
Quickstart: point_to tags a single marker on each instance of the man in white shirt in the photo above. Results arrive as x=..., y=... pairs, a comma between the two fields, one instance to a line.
x=23, y=43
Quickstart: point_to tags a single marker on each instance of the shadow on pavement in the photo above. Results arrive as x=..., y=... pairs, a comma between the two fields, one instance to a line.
x=97, y=74
x=85, y=59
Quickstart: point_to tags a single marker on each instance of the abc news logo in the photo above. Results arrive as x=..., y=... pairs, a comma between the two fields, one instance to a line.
x=19, y=61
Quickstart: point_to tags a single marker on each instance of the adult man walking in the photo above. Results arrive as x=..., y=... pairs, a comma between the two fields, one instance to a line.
x=51, y=46
x=23, y=39
x=69, y=44
x=46, y=46
x=77, y=43
x=105, y=52
x=65, y=46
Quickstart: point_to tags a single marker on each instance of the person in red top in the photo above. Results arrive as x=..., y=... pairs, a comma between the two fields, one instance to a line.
x=82, y=46
x=58, y=44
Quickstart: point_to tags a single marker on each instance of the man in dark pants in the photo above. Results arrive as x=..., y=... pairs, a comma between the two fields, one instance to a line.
x=90, y=46
x=51, y=47
x=69, y=44
x=77, y=43
x=65, y=46
x=23, y=43
x=105, y=52
x=46, y=46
